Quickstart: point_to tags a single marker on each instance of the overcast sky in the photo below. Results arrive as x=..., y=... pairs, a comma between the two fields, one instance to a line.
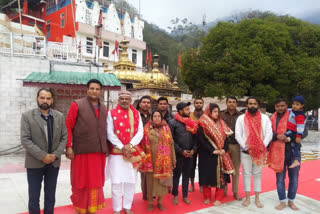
x=160, y=12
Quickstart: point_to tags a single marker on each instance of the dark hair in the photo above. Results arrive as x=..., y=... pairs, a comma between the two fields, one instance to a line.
x=279, y=100
x=142, y=98
x=213, y=106
x=44, y=89
x=162, y=98
x=232, y=98
x=94, y=81
x=198, y=98
x=151, y=118
x=253, y=97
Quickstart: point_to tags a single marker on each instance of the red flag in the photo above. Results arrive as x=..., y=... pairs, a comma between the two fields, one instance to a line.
x=179, y=60
x=147, y=57
x=150, y=58
x=116, y=48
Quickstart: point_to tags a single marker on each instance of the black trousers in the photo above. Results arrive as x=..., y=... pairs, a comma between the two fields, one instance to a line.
x=183, y=166
x=35, y=176
x=194, y=166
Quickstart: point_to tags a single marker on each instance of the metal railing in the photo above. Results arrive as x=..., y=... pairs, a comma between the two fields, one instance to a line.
x=30, y=45
x=73, y=53
x=20, y=44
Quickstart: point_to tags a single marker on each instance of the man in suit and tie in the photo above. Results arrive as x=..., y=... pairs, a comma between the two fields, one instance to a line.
x=44, y=137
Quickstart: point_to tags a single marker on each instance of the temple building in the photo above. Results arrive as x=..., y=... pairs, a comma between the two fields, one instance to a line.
x=153, y=83
x=89, y=30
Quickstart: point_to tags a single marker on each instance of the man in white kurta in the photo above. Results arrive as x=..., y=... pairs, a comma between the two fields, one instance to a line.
x=124, y=122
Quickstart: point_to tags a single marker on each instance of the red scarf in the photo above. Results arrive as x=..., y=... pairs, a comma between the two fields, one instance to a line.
x=277, y=148
x=256, y=148
x=217, y=136
x=162, y=168
x=191, y=125
x=126, y=123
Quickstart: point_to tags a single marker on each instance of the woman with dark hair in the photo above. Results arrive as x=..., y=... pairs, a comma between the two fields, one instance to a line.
x=214, y=161
x=158, y=145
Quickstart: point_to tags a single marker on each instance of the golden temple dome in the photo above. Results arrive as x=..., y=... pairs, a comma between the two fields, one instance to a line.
x=156, y=79
x=125, y=70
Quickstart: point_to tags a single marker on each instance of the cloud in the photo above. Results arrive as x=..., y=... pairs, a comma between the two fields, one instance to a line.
x=161, y=12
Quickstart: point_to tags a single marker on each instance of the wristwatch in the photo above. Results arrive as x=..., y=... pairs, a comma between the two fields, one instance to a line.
x=130, y=145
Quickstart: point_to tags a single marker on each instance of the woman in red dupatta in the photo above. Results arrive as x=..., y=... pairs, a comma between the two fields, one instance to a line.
x=158, y=146
x=214, y=161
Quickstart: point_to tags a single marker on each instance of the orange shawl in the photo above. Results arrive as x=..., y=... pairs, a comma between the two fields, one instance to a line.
x=216, y=136
x=191, y=125
x=162, y=168
x=256, y=148
x=277, y=148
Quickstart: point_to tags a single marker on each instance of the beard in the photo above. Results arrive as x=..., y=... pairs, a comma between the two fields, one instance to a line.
x=252, y=110
x=44, y=106
x=184, y=114
x=198, y=108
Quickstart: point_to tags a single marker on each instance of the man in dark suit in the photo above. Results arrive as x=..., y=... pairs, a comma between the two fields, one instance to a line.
x=44, y=137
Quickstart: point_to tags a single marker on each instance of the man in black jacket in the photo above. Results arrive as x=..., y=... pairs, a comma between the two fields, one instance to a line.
x=183, y=130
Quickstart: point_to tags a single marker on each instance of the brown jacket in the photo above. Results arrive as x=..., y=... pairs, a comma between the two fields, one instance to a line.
x=89, y=133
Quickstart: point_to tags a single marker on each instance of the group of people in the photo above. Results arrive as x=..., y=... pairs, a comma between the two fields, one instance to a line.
x=117, y=144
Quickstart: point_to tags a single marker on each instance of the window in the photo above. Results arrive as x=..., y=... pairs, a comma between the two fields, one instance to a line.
x=50, y=3
x=134, y=55
x=89, y=45
x=105, y=49
x=48, y=31
x=88, y=17
x=132, y=32
x=62, y=23
x=48, y=22
x=61, y=15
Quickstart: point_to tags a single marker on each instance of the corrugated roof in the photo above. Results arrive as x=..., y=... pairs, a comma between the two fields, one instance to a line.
x=71, y=79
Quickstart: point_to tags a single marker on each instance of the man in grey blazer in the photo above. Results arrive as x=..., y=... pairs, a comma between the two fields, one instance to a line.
x=44, y=137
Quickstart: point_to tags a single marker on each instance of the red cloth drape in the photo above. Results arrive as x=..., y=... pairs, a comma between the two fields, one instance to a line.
x=256, y=148
x=277, y=148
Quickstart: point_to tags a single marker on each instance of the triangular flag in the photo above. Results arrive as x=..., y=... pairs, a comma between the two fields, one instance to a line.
x=179, y=59
x=116, y=48
x=150, y=58
x=147, y=57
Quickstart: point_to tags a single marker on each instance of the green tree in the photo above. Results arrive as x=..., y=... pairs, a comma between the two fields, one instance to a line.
x=268, y=56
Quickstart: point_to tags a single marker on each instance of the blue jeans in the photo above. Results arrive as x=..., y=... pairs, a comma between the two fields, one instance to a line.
x=293, y=174
x=49, y=174
x=295, y=147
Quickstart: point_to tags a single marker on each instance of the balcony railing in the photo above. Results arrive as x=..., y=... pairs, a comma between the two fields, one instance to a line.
x=37, y=46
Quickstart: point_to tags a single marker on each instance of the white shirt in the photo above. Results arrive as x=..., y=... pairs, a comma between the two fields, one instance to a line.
x=241, y=134
x=119, y=170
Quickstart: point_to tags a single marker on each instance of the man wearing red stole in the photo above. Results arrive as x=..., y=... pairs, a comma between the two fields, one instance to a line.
x=183, y=130
x=281, y=157
x=125, y=131
x=253, y=133
x=87, y=149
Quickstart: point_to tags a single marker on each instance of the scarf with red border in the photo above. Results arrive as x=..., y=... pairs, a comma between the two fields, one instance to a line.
x=126, y=123
x=277, y=148
x=216, y=136
x=162, y=168
x=256, y=148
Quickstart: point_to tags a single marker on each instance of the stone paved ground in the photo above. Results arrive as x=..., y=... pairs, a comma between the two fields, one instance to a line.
x=270, y=199
x=14, y=189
